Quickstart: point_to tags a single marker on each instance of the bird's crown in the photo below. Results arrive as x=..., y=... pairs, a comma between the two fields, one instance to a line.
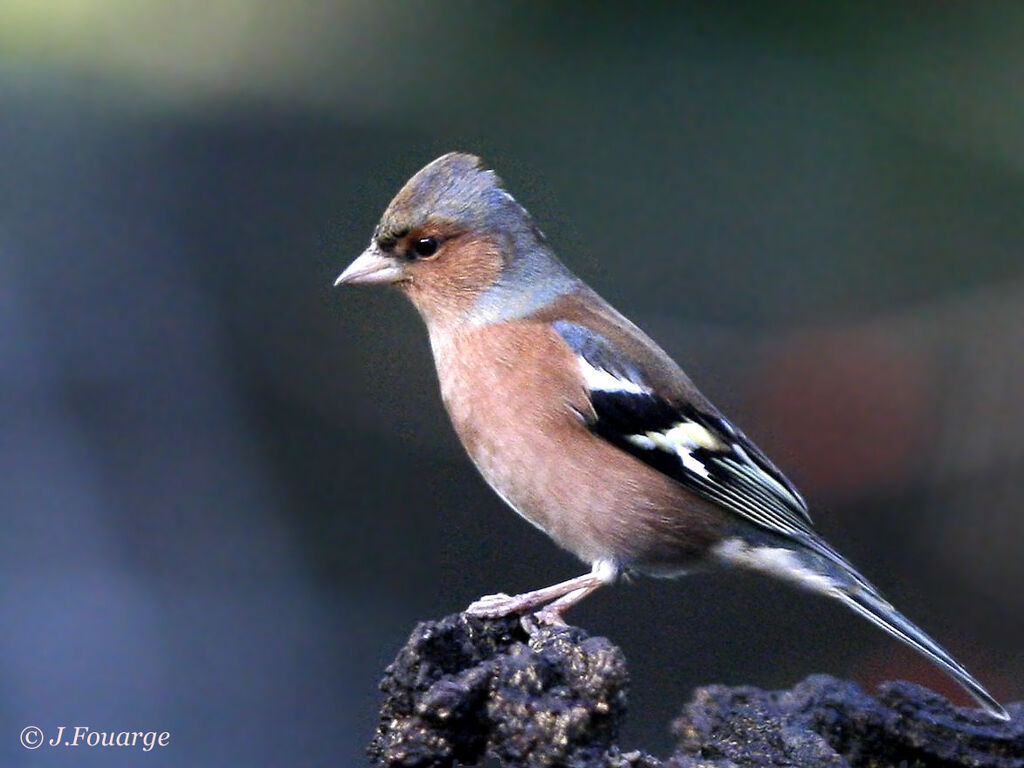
x=455, y=190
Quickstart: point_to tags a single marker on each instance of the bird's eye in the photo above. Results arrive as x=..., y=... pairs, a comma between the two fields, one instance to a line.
x=425, y=247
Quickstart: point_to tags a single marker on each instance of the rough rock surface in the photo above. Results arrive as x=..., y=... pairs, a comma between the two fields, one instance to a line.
x=463, y=690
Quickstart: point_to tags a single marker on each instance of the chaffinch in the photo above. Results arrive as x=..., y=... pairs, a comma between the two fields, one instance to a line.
x=581, y=423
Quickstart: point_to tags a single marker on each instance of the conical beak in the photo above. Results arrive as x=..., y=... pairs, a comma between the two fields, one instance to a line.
x=371, y=267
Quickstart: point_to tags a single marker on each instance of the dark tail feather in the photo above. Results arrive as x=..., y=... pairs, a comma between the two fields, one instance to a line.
x=814, y=565
x=875, y=609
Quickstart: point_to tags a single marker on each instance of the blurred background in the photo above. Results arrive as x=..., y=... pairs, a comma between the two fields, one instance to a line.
x=229, y=491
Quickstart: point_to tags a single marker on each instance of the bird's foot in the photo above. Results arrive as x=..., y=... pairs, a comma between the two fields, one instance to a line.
x=546, y=617
x=499, y=605
x=533, y=623
x=552, y=601
x=495, y=606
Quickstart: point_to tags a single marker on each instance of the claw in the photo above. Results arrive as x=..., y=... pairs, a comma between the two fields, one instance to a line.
x=493, y=606
x=549, y=618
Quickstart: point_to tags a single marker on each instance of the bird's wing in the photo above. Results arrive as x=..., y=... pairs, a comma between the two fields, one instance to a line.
x=690, y=442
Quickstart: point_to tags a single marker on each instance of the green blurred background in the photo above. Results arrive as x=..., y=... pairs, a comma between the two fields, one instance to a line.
x=229, y=491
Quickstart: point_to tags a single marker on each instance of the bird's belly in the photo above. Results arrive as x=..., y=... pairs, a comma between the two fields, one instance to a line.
x=531, y=443
x=598, y=502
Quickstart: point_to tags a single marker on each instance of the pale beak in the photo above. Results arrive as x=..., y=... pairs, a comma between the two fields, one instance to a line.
x=371, y=267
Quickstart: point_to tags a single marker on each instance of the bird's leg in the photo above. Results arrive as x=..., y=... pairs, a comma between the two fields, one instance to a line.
x=551, y=613
x=558, y=597
x=494, y=606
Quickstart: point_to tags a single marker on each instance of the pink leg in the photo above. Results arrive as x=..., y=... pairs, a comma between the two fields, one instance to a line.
x=557, y=598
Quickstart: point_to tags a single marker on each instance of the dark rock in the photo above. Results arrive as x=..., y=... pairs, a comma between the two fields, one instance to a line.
x=823, y=721
x=464, y=690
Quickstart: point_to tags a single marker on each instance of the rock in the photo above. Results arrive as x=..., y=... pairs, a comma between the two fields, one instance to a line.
x=463, y=690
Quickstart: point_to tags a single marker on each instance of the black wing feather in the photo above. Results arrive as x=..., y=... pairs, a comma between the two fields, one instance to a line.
x=729, y=470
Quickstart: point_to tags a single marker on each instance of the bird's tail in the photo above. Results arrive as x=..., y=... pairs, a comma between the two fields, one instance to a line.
x=879, y=612
x=821, y=569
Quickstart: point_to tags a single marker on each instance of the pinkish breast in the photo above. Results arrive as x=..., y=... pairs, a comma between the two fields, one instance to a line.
x=518, y=403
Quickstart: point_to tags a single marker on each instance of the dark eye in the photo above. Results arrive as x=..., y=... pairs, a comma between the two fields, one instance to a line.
x=425, y=247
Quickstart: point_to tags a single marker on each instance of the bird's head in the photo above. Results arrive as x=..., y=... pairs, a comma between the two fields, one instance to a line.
x=459, y=246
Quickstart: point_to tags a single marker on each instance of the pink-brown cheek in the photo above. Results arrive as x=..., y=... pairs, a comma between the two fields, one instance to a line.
x=446, y=287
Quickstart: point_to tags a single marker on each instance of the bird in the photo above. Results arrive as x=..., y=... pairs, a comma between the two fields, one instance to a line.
x=582, y=424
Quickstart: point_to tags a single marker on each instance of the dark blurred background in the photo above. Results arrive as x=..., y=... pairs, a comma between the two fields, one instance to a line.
x=229, y=491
